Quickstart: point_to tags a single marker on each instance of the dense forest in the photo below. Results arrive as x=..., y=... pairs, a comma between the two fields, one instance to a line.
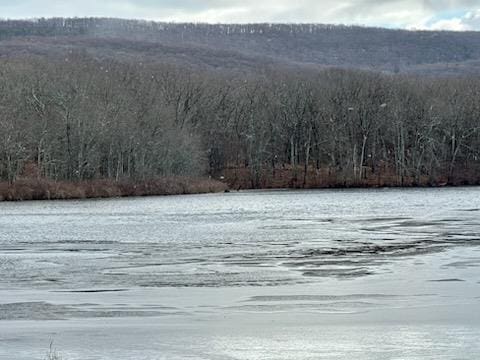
x=80, y=119
x=75, y=117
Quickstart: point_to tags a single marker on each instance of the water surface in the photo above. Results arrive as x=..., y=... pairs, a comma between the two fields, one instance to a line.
x=334, y=274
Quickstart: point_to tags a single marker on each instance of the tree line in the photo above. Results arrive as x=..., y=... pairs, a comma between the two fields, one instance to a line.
x=78, y=118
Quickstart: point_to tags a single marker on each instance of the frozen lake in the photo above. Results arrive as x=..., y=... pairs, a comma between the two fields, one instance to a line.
x=327, y=274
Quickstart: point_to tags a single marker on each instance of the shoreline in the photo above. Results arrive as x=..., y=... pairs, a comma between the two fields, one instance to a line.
x=41, y=189
x=325, y=178
x=44, y=189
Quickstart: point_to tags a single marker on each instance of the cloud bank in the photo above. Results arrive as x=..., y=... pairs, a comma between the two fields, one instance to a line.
x=419, y=14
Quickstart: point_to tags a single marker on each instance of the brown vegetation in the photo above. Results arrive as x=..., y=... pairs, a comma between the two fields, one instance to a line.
x=43, y=189
x=288, y=178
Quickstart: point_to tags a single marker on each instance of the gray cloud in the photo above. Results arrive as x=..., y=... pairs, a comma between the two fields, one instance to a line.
x=451, y=14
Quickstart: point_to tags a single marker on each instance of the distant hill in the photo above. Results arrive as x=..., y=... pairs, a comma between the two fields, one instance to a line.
x=247, y=47
x=258, y=106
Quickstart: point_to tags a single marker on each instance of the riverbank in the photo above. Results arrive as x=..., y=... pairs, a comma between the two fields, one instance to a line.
x=240, y=178
x=44, y=189
x=30, y=188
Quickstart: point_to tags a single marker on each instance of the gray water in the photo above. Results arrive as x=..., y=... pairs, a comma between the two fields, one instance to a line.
x=333, y=274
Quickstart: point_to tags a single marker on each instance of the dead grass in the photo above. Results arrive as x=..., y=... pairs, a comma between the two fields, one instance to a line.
x=34, y=188
x=43, y=189
x=53, y=354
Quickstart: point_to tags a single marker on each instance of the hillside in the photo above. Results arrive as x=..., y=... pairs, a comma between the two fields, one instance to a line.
x=258, y=106
x=247, y=47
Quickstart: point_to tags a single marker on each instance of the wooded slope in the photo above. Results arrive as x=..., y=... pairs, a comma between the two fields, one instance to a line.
x=247, y=47
x=130, y=101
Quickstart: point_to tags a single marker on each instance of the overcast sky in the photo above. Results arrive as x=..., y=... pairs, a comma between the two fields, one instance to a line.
x=419, y=14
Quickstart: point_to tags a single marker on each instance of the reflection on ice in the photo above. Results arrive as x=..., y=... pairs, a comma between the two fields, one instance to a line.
x=262, y=275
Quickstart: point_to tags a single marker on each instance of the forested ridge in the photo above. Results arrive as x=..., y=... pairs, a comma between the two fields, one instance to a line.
x=70, y=116
x=245, y=47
